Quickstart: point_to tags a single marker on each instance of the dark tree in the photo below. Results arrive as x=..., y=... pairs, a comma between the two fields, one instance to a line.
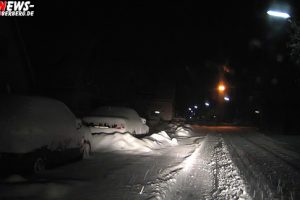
x=294, y=43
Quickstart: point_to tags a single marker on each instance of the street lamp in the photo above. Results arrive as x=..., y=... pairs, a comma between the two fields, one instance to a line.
x=221, y=87
x=279, y=14
x=206, y=104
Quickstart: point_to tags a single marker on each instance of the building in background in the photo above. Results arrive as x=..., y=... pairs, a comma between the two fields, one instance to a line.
x=162, y=109
x=157, y=103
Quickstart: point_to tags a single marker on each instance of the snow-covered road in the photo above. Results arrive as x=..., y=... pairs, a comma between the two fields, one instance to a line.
x=272, y=171
x=210, y=163
x=195, y=179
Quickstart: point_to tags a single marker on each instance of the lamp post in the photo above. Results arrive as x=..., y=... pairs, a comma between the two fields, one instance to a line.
x=294, y=46
x=278, y=14
x=294, y=43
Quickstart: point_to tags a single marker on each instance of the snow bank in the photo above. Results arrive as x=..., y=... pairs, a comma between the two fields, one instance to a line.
x=127, y=142
x=160, y=140
x=118, y=141
x=182, y=132
x=188, y=126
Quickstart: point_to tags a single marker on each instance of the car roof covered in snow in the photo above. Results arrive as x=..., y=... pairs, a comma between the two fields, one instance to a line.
x=109, y=111
x=28, y=123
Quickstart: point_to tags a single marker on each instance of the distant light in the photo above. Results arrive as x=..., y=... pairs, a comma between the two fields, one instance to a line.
x=190, y=109
x=206, y=104
x=190, y=117
x=257, y=111
x=156, y=112
x=278, y=14
x=226, y=69
x=226, y=98
x=195, y=107
x=214, y=116
x=221, y=88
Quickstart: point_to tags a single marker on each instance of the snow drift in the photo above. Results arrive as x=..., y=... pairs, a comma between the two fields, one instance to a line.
x=118, y=141
x=182, y=132
x=127, y=142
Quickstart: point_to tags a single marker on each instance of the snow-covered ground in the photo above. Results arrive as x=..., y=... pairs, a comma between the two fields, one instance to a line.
x=271, y=170
x=178, y=163
x=128, y=144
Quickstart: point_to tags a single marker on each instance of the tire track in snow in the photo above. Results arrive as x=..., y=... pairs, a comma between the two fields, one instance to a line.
x=168, y=178
x=228, y=183
x=280, y=155
x=269, y=176
x=208, y=173
x=195, y=180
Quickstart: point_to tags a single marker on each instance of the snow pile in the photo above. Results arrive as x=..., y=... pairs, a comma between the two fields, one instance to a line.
x=159, y=140
x=182, y=132
x=118, y=142
x=228, y=182
x=188, y=126
x=127, y=142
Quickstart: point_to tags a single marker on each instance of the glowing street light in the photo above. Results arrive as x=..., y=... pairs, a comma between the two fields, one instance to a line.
x=156, y=112
x=279, y=14
x=221, y=87
x=196, y=107
x=206, y=104
x=190, y=109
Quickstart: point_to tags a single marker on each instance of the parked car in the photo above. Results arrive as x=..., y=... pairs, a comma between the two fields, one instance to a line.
x=37, y=133
x=116, y=119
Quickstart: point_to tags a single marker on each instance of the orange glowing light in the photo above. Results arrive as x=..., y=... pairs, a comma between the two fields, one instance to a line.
x=221, y=88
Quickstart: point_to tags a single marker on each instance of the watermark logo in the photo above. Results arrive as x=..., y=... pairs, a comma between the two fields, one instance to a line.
x=16, y=8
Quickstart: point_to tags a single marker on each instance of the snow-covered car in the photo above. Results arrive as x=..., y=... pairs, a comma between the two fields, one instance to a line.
x=116, y=119
x=36, y=133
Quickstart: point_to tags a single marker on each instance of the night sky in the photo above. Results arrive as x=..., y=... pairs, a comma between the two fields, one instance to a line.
x=144, y=44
